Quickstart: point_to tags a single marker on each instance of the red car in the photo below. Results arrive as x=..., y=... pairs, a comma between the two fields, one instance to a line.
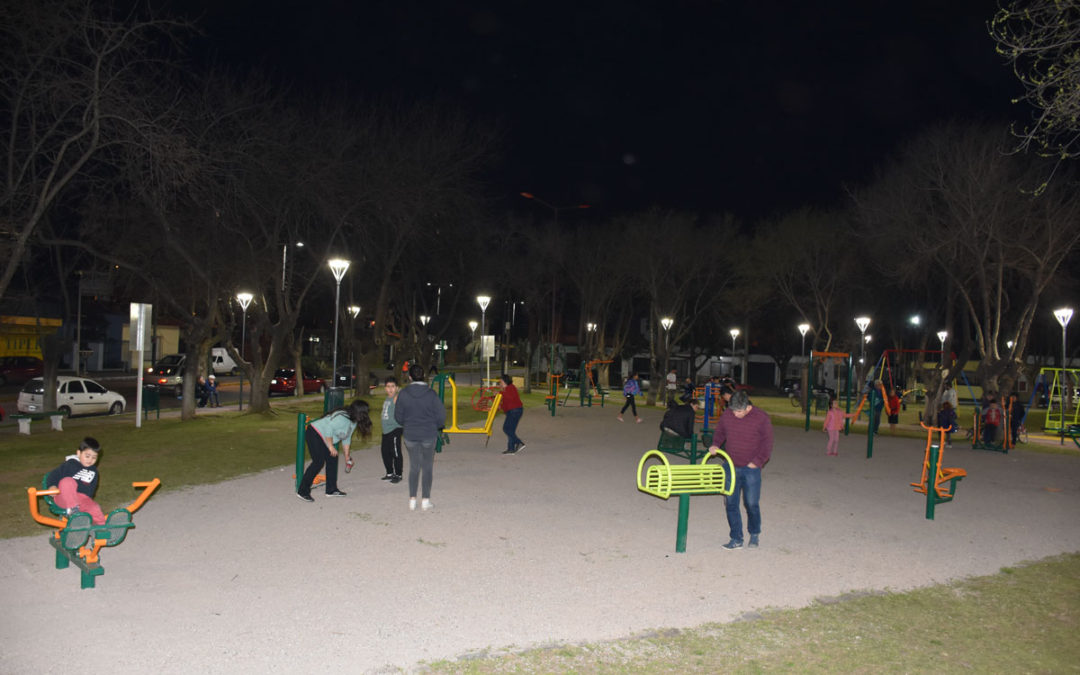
x=19, y=369
x=284, y=382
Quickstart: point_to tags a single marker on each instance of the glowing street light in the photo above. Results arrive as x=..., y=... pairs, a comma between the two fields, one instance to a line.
x=941, y=335
x=483, y=301
x=804, y=328
x=338, y=267
x=863, y=322
x=734, y=333
x=244, y=299
x=1063, y=316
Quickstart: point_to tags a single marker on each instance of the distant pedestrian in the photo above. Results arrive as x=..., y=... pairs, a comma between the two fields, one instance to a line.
x=422, y=415
x=511, y=405
x=670, y=385
x=322, y=437
x=894, y=410
x=834, y=422
x=1016, y=417
x=631, y=388
x=991, y=420
x=688, y=392
x=745, y=432
x=946, y=419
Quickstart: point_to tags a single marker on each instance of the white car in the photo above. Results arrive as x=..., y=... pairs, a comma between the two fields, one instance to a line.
x=74, y=396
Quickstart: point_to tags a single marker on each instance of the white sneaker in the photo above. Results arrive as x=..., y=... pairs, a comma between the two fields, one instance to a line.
x=412, y=503
x=427, y=505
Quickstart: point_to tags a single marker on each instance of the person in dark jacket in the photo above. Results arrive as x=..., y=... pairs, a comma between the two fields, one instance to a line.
x=422, y=416
x=679, y=420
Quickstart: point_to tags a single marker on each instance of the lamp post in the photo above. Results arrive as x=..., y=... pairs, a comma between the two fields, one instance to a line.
x=472, y=327
x=734, y=332
x=863, y=322
x=804, y=328
x=666, y=322
x=483, y=301
x=244, y=299
x=941, y=335
x=285, y=260
x=338, y=267
x=1063, y=316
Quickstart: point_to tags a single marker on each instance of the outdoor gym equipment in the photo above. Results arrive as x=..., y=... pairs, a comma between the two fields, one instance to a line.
x=934, y=477
x=996, y=445
x=552, y=398
x=843, y=357
x=665, y=479
x=1061, y=419
x=587, y=385
x=76, y=539
x=489, y=423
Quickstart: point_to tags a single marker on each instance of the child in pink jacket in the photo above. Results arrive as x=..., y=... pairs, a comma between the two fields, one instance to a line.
x=834, y=422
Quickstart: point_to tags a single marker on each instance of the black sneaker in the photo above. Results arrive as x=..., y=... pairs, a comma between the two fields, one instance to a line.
x=334, y=493
x=520, y=447
x=508, y=451
x=732, y=545
x=387, y=476
x=395, y=479
x=306, y=498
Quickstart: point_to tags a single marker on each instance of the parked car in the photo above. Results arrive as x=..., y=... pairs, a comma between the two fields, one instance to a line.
x=19, y=369
x=284, y=382
x=791, y=385
x=74, y=396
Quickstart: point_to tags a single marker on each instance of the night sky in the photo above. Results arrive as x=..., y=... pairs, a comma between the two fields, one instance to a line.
x=749, y=107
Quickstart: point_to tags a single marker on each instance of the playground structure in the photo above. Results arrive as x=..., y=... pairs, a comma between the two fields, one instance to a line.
x=664, y=479
x=76, y=539
x=1059, y=418
x=934, y=477
x=585, y=391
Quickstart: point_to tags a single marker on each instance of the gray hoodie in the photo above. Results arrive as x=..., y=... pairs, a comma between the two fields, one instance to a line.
x=420, y=412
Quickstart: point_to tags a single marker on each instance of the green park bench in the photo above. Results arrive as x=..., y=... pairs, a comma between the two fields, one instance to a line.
x=665, y=479
x=56, y=420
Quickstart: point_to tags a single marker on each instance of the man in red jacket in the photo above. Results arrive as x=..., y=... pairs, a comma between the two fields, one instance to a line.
x=511, y=405
x=746, y=434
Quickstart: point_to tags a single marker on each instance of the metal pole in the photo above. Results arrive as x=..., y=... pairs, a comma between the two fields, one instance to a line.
x=1064, y=378
x=337, y=296
x=243, y=357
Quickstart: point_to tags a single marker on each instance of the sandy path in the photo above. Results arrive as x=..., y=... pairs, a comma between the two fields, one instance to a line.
x=553, y=545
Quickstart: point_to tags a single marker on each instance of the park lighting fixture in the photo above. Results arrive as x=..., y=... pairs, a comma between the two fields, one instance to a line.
x=1063, y=316
x=915, y=320
x=483, y=301
x=941, y=335
x=244, y=299
x=863, y=322
x=424, y=318
x=338, y=267
x=804, y=328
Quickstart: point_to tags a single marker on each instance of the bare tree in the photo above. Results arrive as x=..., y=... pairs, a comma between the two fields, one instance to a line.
x=1040, y=39
x=74, y=85
x=951, y=207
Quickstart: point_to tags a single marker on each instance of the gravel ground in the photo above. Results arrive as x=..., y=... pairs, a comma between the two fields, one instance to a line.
x=553, y=545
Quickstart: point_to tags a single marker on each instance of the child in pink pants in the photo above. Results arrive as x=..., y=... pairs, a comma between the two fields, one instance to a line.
x=77, y=479
x=834, y=422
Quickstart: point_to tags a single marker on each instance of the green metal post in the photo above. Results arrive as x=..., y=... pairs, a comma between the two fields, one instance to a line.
x=847, y=393
x=684, y=516
x=931, y=480
x=301, y=424
x=809, y=386
x=870, y=426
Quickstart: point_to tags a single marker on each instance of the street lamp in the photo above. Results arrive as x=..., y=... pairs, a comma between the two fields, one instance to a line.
x=1063, y=316
x=338, y=267
x=666, y=323
x=941, y=335
x=483, y=301
x=863, y=322
x=804, y=328
x=915, y=320
x=734, y=332
x=472, y=327
x=244, y=299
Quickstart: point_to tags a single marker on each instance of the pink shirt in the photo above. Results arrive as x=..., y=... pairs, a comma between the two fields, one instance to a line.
x=834, y=419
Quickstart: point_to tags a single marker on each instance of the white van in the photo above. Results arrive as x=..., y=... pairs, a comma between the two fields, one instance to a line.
x=221, y=362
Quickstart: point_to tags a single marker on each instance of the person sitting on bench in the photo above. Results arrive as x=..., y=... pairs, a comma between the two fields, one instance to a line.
x=679, y=420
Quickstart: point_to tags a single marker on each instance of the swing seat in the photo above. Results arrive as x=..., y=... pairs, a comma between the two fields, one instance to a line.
x=665, y=479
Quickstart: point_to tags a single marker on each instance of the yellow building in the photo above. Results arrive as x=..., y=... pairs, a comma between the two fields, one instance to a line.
x=21, y=335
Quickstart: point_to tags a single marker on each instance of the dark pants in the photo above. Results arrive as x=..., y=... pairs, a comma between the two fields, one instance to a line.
x=510, y=427
x=421, y=460
x=629, y=404
x=391, y=451
x=320, y=456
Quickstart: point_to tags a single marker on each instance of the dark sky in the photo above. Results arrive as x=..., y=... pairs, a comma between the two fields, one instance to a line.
x=753, y=107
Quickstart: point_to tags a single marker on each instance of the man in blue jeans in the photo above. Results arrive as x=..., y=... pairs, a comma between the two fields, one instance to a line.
x=746, y=434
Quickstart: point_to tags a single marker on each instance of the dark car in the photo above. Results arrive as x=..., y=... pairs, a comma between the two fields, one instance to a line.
x=284, y=382
x=19, y=369
x=791, y=385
